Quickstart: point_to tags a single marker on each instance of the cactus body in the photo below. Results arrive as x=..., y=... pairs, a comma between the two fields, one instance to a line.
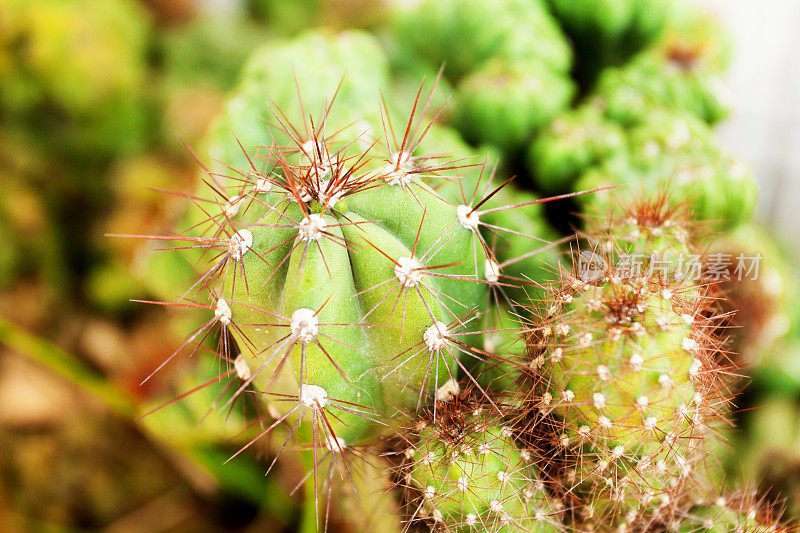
x=502, y=103
x=627, y=366
x=678, y=151
x=507, y=60
x=573, y=142
x=608, y=32
x=463, y=472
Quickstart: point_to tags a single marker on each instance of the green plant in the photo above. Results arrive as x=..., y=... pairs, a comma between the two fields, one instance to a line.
x=627, y=367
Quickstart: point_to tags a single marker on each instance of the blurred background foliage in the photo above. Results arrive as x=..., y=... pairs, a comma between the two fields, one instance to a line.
x=99, y=100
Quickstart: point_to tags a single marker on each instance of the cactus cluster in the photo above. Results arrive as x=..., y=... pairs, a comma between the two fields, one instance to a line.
x=461, y=469
x=375, y=285
x=507, y=61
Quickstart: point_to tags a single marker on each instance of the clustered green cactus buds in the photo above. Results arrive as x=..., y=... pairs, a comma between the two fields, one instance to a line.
x=605, y=33
x=507, y=59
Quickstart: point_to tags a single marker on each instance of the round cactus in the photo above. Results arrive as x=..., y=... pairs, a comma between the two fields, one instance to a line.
x=463, y=34
x=346, y=280
x=627, y=370
x=572, y=143
x=508, y=62
x=608, y=32
x=503, y=102
x=461, y=470
x=678, y=151
x=681, y=73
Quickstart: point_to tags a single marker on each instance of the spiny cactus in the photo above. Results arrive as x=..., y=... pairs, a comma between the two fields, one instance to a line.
x=738, y=512
x=627, y=369
x=649, y=231
x=608, y=32
x=350, y=286
x=461, y=470
x=574, y=141
x=319, y=65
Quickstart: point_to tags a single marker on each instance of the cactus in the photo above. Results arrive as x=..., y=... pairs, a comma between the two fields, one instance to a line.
x=507, y=61
x=371, y=283
x=682, y=72
x=573, y=142
x=678, y=151
x=342, y=274
x=521, y=96
x=628, y=371
x=606, y=33
x=461, y=470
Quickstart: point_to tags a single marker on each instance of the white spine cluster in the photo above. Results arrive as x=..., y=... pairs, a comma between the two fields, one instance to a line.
x=448, y=391
x=409, y=271
x=467, y=217
x=491, y=271
x=262, y=185
x=222, y=311
x=397, y=171
x=313, y=396
x=304, y=325
x=435, y=336
x=239, y=243
x=242, y=368
x=232, y=207
x=312, y=228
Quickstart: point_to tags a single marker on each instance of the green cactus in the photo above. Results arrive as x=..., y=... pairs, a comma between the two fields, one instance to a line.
x=462, y=471
x=627, y=365
x=464, y=34
x=507, y=61
x=344, y=278
x=608, y=32
x=679, y=152
x=503, y=102
x=573, y=142
x=318, y=61
x=681, y=73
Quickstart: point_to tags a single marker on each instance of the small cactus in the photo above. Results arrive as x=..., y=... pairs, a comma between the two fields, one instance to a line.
x=461, y=470
x=627, y=370
x=507, y=60
x=608, y=32
x=679, y=152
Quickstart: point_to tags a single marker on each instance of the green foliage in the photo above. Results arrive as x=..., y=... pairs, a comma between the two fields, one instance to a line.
x=75, y=71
